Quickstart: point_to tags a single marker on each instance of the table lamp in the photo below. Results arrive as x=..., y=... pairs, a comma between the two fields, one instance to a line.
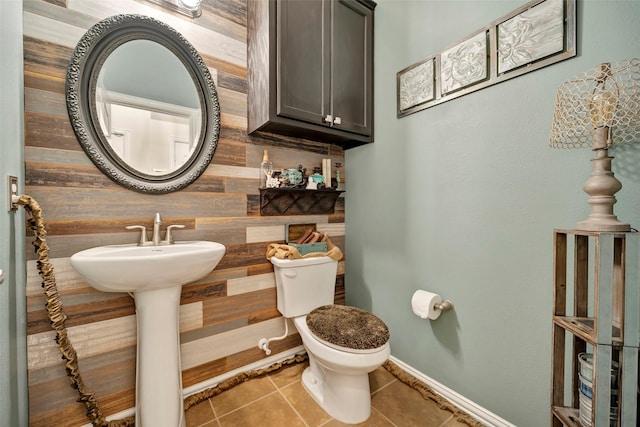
x=599, y=108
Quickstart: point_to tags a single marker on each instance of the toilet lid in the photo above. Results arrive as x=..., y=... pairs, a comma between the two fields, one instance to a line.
x=348, y=327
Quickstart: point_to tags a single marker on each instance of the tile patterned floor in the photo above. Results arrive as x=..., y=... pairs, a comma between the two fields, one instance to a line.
x=279, y=399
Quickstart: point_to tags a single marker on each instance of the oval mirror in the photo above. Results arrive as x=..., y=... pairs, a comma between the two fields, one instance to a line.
x=142, y=104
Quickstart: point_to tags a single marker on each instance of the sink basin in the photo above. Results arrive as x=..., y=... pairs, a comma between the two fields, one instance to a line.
x=132, y=268
x=154, y=276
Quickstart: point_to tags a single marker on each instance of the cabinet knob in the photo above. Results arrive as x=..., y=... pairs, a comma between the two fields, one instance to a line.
x=329, y=118
x=337, y=121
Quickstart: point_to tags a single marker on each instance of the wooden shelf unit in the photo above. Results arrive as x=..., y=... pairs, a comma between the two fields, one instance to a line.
x=605, y=314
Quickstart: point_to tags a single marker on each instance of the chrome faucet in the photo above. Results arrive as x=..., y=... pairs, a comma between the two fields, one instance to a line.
x=157, y=220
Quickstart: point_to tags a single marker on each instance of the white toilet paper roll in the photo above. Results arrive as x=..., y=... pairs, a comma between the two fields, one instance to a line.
x=423, y=304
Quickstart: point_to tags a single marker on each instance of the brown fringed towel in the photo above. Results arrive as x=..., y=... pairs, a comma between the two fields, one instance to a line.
x=283, y=251
x=348, y=327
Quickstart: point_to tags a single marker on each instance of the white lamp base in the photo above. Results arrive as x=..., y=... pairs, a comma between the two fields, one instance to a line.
x=611, y=226
x=601, y=187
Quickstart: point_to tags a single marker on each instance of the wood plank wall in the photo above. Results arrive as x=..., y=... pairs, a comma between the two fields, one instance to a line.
x=222, y=316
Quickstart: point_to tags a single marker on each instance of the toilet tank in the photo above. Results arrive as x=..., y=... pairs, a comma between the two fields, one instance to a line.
x=304, y=284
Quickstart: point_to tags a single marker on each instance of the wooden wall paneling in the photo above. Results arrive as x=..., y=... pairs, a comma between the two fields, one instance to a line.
x=42, y=101
x=197, y=352
x=251, y=354
x=237, y=306
x=43, y=58
x=46, y=155
x=203, y=291
x=232, y=121
x=58, y=175
x=204, y=372
x=230, y=152
x=234, y=83
x=232, y=10
x=208, y=42
x=44, y=130
x=88, y=340
x=79, y=314
x=51, y=30
x=223, y=315
x=52, y=394
x=250, y=284
x=209, y=331
x=117, y=202
x=232, y=102
x=238, y=70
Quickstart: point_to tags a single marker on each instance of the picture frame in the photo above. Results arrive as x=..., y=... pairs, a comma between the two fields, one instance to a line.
x=416, y=85
x=529, y=36
x=538, y=34
x=464, y=64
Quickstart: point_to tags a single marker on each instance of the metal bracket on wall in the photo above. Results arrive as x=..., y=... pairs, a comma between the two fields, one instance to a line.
x=13, y=192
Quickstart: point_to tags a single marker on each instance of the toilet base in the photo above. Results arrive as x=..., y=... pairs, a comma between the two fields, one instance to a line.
x=346, y=398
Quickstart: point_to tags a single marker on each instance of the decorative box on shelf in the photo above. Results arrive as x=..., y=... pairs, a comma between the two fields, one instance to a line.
x=297, y=201
x=293, y=232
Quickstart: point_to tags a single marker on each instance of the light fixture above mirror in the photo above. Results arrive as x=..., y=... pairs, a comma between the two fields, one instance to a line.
x=190, y=8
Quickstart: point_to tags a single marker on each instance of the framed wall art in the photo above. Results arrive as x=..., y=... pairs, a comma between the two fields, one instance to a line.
x=464, y=64
x=416, y=85
x=537, y=34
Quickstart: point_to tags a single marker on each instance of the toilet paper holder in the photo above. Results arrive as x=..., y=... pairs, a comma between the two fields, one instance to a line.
x=445, y=305
x=428, y=305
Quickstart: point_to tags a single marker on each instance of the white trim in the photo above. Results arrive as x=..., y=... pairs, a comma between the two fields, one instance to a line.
x=260, y=364
x=471, y=408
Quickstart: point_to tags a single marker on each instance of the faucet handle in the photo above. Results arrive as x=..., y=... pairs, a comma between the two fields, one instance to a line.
x=143, y=233
x=168, y=239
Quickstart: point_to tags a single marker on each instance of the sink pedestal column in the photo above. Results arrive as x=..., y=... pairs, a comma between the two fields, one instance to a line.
x=159, y=401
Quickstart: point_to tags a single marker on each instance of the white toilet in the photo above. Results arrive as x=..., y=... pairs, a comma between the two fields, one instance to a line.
x=343, y=343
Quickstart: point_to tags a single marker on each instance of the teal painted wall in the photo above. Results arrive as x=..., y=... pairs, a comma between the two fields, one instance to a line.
x=462, y=199
x=13, y=311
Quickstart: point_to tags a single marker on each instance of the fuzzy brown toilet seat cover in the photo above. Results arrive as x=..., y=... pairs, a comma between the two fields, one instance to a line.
x=348, y=327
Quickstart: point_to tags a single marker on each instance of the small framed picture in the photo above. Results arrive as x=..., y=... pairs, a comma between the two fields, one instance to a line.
x=464, y=64
x=531, y=35
x=415, y=86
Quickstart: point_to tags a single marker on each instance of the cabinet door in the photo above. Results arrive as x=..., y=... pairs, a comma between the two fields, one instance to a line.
x=351, y=66
x=303, y=86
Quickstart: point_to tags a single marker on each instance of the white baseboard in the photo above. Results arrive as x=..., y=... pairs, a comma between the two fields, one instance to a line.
x=260, y=364
x=473, y=409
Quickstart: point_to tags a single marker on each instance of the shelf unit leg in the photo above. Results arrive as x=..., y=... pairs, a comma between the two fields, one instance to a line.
x=628, y=399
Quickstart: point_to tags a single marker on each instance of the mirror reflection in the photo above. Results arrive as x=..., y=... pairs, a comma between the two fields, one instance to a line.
x=148, y=107
x=142, y=104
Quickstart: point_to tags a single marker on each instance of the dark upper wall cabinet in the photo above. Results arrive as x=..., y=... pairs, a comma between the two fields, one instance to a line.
x=310, y=69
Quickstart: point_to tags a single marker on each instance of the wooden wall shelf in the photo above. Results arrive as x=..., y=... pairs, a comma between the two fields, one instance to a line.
x=297, y=201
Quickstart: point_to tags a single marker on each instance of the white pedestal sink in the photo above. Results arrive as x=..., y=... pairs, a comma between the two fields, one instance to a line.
x=154, y=275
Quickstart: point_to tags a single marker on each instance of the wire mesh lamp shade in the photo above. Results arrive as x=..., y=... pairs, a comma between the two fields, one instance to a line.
x=599, y=108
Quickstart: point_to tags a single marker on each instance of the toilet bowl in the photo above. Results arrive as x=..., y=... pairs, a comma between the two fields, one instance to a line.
x=337, y=377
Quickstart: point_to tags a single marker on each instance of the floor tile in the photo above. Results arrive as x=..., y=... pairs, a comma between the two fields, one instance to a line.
x=199, y=414
x=279, y=399
x=375, y=420
x=406, y=407
x=306, y=406
x=242, y=394
x=380, y=378
x=288, y=375
x=271, y=411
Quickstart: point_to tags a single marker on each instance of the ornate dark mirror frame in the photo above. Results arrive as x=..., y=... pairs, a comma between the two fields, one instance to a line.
x=82, y=74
